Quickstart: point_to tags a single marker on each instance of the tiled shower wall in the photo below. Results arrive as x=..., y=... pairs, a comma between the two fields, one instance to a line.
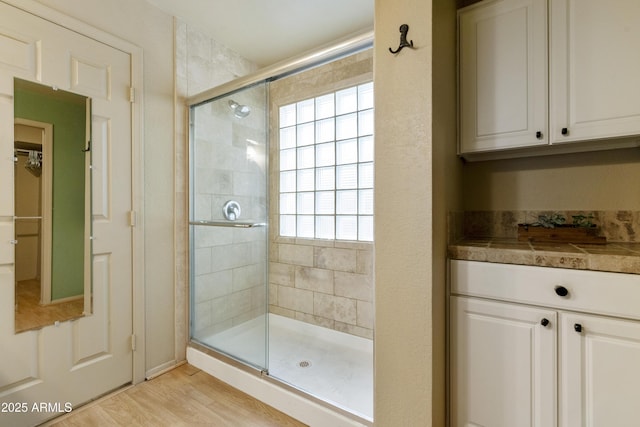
x=324, y=282
x=327, y=283
x=202, y=63
x=229, y=267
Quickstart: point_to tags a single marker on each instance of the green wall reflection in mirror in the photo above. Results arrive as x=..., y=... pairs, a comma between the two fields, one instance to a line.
x=52, y=205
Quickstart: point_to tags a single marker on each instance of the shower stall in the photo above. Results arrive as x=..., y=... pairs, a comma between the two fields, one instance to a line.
x=236, y=315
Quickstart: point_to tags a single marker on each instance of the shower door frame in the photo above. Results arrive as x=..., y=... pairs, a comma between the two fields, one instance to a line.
x=325, y=54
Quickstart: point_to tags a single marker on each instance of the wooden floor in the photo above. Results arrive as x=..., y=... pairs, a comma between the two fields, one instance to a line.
x=185, y=396
x=31, y=315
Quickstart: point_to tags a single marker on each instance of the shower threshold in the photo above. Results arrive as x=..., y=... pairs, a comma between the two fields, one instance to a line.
x=328, y=367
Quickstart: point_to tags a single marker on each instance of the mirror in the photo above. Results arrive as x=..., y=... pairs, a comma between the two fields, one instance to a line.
x=52, y=193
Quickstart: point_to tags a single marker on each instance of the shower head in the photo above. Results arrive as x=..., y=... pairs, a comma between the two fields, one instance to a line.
x=240, y=111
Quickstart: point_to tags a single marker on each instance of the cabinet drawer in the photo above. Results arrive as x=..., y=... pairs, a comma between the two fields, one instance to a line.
x=613, y=294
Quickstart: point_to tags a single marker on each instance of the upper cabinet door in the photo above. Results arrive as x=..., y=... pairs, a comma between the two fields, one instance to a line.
x=595, y=69
x=503, y=75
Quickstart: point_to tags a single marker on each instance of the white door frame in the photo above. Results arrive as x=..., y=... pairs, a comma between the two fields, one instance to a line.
x=137, y=132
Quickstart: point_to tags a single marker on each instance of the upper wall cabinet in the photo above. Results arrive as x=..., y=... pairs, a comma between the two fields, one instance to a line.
x=595, y=69
x=503, y=75
x=508, y=108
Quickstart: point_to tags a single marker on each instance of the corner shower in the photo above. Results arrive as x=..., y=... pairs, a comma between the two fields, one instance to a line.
x=295, y=311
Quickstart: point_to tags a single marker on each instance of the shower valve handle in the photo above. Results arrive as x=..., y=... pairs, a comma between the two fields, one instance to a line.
x=231, y=210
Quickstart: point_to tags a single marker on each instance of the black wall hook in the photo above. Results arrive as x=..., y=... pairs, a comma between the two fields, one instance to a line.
x=404, y=29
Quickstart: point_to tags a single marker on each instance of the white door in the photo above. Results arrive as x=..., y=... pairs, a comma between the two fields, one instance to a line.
x=503, y=364
x=599, y=371
x=74, y=361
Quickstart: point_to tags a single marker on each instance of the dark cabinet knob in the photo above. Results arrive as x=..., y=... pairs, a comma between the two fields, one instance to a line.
x=565, y=131
x=577, y=327
x=562, y=291
x=544, y=322
x=539, y=135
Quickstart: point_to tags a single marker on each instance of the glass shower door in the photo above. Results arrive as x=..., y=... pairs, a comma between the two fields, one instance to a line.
x=228, y=224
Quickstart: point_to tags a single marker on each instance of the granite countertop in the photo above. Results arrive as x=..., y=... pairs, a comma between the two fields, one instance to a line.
x=614, y=257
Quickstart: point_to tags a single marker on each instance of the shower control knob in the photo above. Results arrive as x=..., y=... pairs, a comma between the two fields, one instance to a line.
x=231, y=210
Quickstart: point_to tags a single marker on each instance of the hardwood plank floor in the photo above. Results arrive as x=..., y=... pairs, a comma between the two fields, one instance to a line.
x=31, y=315
x=184, y=396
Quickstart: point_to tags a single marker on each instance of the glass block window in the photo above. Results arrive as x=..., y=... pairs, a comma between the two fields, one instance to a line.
x=326, y=166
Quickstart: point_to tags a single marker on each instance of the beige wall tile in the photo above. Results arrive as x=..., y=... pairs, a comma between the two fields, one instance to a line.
x=314, y=279
x=316, y=320
x=212, y=285
x=295, y=299
x=335, y=259
x=336, y=308
x=296, y=254
x=364, y=261
x=282, y=311
x=354, y=330
x=281, y=274
x=248, y=276
x=351, y=285
x=365, y=314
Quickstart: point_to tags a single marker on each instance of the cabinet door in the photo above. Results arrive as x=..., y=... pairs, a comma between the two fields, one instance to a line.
x=594, y=69
x=503, y=364
x=599, y=371
x=503, y=75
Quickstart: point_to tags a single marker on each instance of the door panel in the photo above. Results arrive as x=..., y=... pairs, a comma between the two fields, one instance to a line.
x=20, y=53
x=78, y=360
x=502, y=364
x=600, y=371
x=593, y=74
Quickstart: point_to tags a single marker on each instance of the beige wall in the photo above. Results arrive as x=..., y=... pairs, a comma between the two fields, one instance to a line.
x=416, y=183
x=596, y=181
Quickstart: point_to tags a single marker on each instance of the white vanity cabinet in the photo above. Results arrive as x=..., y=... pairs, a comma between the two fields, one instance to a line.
x=502, y=364
x=515, y=92
x=599, y=371
x=543, y=346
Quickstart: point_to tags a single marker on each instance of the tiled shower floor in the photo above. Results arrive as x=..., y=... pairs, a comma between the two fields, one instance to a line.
x=333, y=366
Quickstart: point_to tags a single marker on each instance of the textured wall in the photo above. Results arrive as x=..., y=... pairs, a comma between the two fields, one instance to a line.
x=416, y=183
x=603, y=180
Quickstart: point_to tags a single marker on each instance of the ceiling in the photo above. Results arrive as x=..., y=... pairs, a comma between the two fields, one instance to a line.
x=267, y=31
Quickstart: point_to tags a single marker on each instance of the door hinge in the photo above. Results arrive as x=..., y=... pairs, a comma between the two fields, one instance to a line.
x=132, y=94
x=132, y=218
x=133, y=342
